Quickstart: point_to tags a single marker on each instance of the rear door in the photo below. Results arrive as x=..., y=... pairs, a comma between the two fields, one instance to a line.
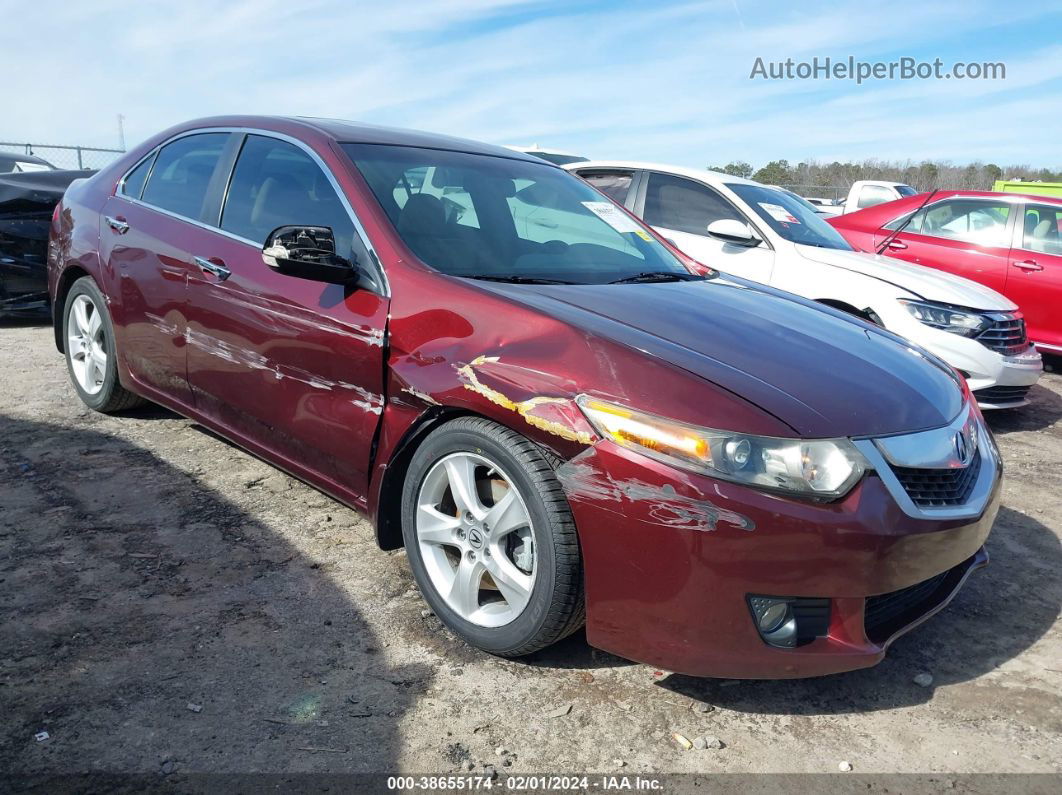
x=681, y=209
x=965, y=236
x=145, y=232
x=1034, y=278
x=295, y=366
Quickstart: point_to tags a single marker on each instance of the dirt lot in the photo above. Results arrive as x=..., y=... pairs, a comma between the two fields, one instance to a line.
x=171, y=605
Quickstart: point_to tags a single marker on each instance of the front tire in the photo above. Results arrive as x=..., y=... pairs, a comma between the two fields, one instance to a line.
x=491, y=539
x=91, y=359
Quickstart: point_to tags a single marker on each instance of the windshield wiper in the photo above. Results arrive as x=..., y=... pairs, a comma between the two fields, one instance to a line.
x=518, y=279
x=659, y=276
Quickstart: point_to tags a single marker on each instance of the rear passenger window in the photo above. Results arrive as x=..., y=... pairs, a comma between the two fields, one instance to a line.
x=1043, y=229
x=182, y=173
x=276, y=183
x=614, y=185
x=133, y=184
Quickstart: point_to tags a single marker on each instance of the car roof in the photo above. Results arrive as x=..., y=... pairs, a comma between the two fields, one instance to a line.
x=24, y=158
x=703, y=175
x=345, y=131
x=540, y=149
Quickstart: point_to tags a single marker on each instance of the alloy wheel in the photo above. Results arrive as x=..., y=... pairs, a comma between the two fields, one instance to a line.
x=86, y=344
x=476, y=539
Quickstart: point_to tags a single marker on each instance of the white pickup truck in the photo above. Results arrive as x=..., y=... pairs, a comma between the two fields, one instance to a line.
x=866, y=193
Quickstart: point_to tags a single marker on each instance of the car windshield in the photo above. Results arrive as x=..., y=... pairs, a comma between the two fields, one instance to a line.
x=480, y=216
x=790, y=216
x=906, y=190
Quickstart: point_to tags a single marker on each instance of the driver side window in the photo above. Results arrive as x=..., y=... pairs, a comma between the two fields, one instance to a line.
x=684, y=205
x=276, y=183
x=983, y=223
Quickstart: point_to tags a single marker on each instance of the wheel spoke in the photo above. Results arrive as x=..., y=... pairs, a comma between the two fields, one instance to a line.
x=461, y=472
x=81, y=315
x=95, y=323
x=514, y=585
x=507, y=514
x=436, y=527
x=464, y=591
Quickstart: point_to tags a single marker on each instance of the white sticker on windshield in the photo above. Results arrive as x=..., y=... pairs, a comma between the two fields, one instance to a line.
x=613, y=216
x=779, y=213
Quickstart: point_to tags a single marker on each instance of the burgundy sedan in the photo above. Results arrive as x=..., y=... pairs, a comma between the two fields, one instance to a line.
x=559, y=418
x=1009, y=242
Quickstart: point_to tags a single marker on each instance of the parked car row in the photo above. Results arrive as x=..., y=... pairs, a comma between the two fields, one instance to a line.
x=767, y=235
x=561, y=417
x=1009, y=242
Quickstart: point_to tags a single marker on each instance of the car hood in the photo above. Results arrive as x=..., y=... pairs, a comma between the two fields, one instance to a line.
x=818, y=371
x=927, y=283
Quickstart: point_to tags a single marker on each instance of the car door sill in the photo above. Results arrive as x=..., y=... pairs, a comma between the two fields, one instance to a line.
x=308, y=476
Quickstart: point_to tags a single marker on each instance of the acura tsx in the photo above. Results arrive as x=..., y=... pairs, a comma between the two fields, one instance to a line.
x=560, y=423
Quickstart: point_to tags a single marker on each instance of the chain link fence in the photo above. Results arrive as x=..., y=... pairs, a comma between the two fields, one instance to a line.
x=72, y=157
x=817, y=191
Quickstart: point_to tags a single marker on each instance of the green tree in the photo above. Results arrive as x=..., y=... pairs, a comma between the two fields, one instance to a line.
x=777, y=172
x=738, y=168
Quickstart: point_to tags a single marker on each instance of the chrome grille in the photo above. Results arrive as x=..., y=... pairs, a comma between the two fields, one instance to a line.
x=934, y=488
x=1006, y=335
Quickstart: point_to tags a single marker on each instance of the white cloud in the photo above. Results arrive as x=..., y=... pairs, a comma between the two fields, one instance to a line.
x=646, y=81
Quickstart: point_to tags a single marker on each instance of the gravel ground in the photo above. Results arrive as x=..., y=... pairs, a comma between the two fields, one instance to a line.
x=172, y=605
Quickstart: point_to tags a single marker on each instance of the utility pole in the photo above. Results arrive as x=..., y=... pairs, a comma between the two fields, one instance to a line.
x=121, y=132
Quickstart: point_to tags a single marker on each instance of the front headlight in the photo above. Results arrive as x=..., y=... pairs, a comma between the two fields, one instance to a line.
x=945, y=318
x=826, y=468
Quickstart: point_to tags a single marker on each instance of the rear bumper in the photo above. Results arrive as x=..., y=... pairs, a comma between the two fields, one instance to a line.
x=671, y=559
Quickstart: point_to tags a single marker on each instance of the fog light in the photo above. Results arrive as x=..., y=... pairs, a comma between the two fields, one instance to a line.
x=773, y=617
x=774, y=621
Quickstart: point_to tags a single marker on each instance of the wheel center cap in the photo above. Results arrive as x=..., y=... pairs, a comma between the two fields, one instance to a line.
x=475, y=539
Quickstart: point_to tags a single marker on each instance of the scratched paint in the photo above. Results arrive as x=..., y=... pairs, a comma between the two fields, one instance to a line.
x=227, y=351
x=584, y=481
x=541, y=412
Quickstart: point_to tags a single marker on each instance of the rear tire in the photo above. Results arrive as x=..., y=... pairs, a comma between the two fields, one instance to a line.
x=91, y=357
x=476, y=552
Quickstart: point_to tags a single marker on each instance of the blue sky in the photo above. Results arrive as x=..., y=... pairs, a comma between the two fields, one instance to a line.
x=641, y=80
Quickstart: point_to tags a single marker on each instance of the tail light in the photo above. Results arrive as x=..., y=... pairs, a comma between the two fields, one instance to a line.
x=56, y=211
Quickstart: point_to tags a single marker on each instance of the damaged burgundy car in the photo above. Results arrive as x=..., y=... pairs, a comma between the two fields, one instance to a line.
x=558, y=417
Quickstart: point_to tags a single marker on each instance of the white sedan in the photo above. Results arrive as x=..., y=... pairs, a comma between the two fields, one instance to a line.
x=766, y=235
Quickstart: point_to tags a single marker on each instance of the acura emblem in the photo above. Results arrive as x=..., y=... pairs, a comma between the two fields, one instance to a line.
x=962, y=447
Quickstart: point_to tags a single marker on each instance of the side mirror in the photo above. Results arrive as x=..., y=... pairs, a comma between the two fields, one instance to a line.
x=730, y=230
x=307, y=252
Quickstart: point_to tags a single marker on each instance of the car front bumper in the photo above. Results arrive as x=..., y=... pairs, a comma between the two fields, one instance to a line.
x=671, y=559
x=997, y=381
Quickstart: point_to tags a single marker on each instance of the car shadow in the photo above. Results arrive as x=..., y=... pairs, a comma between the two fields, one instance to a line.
x=574, y=653
x=1043, y=411
x=154, y=628
x=13, y=321
x=1002, y=611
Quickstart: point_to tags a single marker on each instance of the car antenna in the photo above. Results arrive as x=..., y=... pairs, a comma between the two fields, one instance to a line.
x=892, y=235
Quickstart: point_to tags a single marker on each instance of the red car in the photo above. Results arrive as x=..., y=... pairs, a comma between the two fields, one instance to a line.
x=524, y=386
x=1009, y=242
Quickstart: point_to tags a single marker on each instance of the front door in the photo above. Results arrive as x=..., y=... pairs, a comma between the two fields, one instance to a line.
x=681, y=209
x=293, y=365
x=967, y=237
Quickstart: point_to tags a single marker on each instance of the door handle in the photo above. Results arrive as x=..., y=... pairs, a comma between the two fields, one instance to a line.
x=213, y=268
x=1029, y=265
x=896, y=245
x=117, y=224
